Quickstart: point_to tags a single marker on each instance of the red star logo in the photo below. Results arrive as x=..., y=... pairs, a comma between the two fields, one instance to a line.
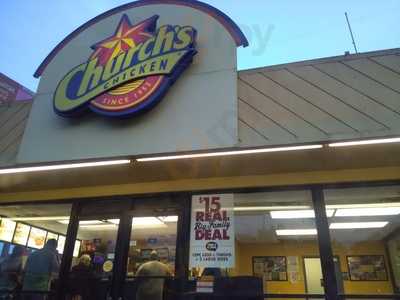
x=125, y=37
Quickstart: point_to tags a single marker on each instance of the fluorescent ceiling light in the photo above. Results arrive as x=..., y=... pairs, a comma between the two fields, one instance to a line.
x=53, y=218
x=99, y=227
x=358, y=225
x=268, y=208
x=113, y=221
x=297, y=214
x=147, y=222
x=88, y=222
x=143, y=222
x=365, y=205
x=91, y=222
x=293, y=232
x=365, y=142
x=169, y=219
x=227, y=153
x=64, y=166
x=65, y=222
x=366, y=212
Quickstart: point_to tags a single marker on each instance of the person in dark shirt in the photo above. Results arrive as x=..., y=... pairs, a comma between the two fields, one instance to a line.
x=11, y=270
x=81, y=279
x=41, y=268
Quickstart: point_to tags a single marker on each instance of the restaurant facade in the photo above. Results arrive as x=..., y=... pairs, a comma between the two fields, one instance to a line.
x=143, y=132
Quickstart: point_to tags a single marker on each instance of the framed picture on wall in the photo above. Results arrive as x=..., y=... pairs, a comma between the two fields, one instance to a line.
x=271, y=268
x=367, y=268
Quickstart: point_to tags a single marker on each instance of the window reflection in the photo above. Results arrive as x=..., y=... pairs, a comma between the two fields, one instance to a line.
x=152, y=238
x=31, y=251
x=363, y=233
x=274, y=235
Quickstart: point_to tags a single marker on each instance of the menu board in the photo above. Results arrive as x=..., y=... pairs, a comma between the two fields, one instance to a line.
x=37, y=238
x=61, y=244
x=271, y=268
x=21, y=234
x=77, y=248
x=51, y=236
x=367, y=268
x=7, y=227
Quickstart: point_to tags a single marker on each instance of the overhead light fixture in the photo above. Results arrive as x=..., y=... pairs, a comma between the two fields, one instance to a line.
x=229, y=153
x=52, y=218
x=268, y=208
x=64, y=166
x=297, y=214
x=99, y=227
x=295, y=232
x=113, y=221
x=65, y=222
x=169, y=219
x=364, y=205
x=88, y=222
x=147, y=222
x=142, y=222
x=368, y=212
x=91, y=222
x=365, y=142
x=358, y=225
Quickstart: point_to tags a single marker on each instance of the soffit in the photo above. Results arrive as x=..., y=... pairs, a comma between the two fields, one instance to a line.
x=326, y=159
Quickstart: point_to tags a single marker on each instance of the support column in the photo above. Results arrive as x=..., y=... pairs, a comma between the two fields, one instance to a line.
x=68, y=253
x=183, y=243
x=325, y=246
x=121, y=255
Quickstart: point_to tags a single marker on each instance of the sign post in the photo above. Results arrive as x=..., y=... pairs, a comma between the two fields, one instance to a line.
x=212, y=236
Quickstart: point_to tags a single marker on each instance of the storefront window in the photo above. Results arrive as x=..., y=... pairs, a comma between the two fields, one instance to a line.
x=32, y=239
x=394, y=257
x=275, y=239
x=364, y=233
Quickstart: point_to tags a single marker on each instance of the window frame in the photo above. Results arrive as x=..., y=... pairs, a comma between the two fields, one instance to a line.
x=183, y=235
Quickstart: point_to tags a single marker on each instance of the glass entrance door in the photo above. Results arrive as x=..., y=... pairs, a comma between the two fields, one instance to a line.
x=126, y=247
x=93, y=266
x=152, y=256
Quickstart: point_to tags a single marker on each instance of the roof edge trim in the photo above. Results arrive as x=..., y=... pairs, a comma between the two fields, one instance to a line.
x=233, y=29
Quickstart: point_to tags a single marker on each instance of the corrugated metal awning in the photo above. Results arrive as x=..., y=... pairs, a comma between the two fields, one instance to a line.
x=346, y=97
x=13, y=119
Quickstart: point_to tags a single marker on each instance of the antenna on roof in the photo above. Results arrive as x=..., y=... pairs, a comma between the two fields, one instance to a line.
x=351, y=32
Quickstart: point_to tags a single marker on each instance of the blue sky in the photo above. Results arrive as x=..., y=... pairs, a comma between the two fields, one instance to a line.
x=279, y=31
